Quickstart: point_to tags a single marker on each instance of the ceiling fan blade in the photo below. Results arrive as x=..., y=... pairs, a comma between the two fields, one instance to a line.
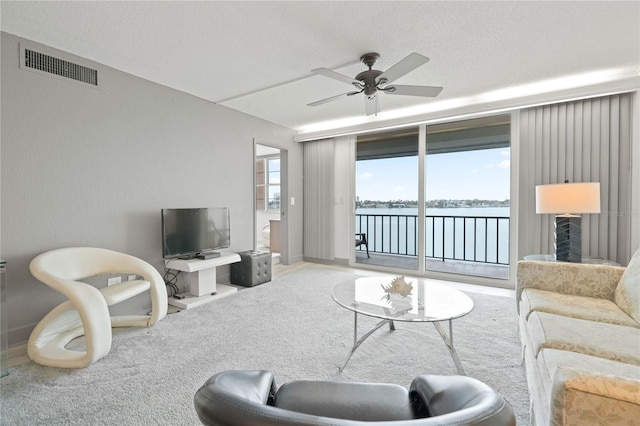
x=371, y=105
x=400, y=89
x=405, y=66
x=332, y=98
x=335, y=75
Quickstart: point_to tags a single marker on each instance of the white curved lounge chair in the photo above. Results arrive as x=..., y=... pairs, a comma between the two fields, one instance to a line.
x=87, y=310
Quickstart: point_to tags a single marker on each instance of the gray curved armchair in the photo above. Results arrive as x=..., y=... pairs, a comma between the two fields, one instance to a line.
x=250, y=397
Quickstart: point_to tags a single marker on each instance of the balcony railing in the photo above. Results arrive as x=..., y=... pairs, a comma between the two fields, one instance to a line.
x=469, y=238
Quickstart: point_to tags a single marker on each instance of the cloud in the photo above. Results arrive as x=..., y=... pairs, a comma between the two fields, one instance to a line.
x=504, y=164
x=398, y=189
x=475, y=171
x=366, y=175
x=505, y=153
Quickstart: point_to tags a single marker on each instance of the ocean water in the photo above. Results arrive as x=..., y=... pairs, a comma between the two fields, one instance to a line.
x=465, y=234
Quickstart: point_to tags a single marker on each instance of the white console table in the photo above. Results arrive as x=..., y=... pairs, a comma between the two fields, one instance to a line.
x=201, y=276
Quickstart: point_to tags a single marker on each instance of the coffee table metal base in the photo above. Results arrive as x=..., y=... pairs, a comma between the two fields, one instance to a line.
x=446, y=338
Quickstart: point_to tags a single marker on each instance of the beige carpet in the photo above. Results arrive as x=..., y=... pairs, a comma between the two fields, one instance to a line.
x=290, y=326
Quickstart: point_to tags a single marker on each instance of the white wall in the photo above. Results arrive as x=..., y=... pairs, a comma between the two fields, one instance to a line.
x=93, y=167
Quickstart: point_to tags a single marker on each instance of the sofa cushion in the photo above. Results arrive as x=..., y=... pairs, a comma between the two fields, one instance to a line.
x=588, y=390
x=587, y=308
x=627, y=293
x=610, y=341
x=582, y=279
x=549, y=360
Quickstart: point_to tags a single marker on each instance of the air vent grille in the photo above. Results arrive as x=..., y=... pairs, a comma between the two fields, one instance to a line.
x=60, y=67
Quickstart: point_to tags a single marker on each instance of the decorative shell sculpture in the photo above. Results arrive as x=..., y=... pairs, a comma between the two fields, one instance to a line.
x=398, y=286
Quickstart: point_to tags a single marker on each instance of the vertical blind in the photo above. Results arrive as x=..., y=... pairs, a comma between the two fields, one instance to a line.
x=581, y=141
x=318, y=200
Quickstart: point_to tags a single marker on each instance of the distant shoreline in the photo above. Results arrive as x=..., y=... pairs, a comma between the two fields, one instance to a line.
x=415, y=206
x=434, y=204
x=486, y=211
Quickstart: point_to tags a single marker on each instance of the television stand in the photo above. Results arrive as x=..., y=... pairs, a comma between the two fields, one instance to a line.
x=201, y=277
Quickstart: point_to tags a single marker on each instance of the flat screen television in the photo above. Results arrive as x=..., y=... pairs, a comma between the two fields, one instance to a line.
x=189, y=233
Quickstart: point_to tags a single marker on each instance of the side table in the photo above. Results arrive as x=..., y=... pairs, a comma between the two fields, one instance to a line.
x=588, y=260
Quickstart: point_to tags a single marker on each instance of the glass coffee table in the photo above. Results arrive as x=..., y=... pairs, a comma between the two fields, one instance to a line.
x=402, y=299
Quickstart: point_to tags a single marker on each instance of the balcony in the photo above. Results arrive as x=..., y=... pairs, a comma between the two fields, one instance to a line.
x=469, y=245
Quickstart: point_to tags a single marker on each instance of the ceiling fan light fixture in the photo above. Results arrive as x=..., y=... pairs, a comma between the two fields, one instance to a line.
x=371, y=81
x=370, y=90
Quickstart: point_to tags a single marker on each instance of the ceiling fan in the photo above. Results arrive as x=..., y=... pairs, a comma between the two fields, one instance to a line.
x=371, y=81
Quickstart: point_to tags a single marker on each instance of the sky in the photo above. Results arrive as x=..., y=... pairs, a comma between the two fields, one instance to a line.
x=481, y=174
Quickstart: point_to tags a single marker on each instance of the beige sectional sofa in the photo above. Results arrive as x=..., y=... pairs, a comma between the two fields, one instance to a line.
x=579, y=325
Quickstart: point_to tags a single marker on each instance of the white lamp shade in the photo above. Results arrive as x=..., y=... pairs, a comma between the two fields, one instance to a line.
x=568, y=198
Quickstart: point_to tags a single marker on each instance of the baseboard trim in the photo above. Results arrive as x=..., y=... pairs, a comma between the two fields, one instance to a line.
x=320, y=261
x=17, y=355
x=334, y=261
x=293, y=260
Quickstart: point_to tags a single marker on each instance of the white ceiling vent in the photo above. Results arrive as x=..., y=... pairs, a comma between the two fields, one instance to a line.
x=41, y=62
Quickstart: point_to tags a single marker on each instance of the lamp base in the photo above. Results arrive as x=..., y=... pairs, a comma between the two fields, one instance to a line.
x=568, y=234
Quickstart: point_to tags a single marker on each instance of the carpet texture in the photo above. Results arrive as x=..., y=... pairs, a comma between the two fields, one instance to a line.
x=290, y=326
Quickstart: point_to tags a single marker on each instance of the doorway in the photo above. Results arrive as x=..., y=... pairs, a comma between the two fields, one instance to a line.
x=268, y=200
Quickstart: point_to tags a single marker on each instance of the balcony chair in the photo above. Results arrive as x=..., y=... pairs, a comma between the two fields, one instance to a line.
x=250, y=397
x=87, y=310
x=361, y=240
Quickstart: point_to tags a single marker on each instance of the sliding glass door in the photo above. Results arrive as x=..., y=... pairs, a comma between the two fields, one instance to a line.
x=467, y=191
x=387, y=199
x=436, y=197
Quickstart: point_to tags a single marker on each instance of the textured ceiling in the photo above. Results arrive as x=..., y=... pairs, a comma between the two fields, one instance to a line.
x=256, y=57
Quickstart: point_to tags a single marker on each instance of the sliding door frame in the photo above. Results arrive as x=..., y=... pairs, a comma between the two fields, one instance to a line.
x=421, y=250
x=422, y=195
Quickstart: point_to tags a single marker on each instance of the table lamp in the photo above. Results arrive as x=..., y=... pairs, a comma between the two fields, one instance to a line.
x=567, y=201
